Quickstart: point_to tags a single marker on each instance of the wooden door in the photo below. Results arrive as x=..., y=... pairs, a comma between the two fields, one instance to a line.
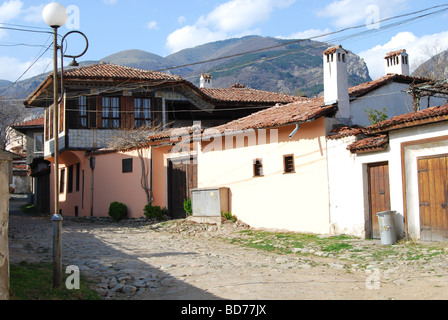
x=433, y=197
x=182, y=177
x=379, y=194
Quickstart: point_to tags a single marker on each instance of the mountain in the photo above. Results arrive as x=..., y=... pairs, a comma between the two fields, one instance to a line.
x=435, y=68
x=295, y=68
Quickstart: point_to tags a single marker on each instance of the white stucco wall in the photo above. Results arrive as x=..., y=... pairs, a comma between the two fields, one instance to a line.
x=349, y=205
x=393, y=96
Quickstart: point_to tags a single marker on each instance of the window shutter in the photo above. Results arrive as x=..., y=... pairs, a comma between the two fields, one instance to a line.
x=157, y=115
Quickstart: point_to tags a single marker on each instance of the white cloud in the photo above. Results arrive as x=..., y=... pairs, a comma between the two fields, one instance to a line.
x=12, y=68
x=34, y=13
x=231, y=19
x=419, y=50
x=346, y=13
x=10, y=10
x=110, y=1
x=152, y=25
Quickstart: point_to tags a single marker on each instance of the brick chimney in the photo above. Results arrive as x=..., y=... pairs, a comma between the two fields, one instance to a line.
x=397, y=62
x=206, y=81
x=336, y=81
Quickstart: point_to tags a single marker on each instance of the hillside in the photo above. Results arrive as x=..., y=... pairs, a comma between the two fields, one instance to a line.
x=293, y=69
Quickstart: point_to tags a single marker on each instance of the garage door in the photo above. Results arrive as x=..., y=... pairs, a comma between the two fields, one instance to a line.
x=433, y=197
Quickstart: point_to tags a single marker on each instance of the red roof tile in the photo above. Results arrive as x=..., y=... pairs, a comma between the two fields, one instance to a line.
x=425, y=116
x=366, y=87
x=280, y=115
x=35, y=122
x=241, y=94
x=369, y=144
x=111, y=71
x=394, y=53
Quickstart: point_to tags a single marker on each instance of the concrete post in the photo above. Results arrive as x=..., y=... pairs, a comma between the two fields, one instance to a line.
x=5, y=160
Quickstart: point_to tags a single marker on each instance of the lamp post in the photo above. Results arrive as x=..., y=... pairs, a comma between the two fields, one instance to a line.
x=55, y=15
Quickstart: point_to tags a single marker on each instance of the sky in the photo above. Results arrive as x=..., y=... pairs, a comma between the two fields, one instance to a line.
x=165, y=27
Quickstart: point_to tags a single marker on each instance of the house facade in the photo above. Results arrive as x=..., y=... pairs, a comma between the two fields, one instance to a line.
x=399, y=165
x=101, y=102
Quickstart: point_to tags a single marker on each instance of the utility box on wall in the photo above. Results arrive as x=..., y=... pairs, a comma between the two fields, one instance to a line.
x=208, y=204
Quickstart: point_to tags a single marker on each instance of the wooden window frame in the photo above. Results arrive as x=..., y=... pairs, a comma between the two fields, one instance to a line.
x=287, y=170
x=142, y=116
x=110, y=113
x=258, y=168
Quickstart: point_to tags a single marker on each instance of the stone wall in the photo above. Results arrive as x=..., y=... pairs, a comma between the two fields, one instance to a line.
x=4, y=217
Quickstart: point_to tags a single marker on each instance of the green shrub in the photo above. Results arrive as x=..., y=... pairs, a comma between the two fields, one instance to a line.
x=228, y=216
x=188, y=207
x=118, y=211
x=156, y=212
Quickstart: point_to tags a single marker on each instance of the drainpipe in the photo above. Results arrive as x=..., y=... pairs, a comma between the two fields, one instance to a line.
x=295, y=131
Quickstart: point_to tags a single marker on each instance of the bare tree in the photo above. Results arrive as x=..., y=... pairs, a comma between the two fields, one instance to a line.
x=134, y=139
x=434, y=63
x=10, y=114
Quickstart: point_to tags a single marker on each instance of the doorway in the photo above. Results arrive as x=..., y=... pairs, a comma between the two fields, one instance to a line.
x=182, y=177
x=379, y=194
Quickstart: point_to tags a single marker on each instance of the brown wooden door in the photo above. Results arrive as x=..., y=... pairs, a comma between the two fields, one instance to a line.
x=379, y=194
x=433, y=197
x=182, y=177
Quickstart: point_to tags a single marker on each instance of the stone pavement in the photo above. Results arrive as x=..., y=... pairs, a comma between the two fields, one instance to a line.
x=140, y=260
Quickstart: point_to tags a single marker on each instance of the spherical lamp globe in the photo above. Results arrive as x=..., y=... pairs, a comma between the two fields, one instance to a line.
x=55, y=15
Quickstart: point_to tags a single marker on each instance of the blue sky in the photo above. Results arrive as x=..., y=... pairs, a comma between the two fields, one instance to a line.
x=164, y=27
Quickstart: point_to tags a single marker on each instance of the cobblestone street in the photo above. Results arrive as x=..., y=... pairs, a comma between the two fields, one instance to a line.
x=138, y=260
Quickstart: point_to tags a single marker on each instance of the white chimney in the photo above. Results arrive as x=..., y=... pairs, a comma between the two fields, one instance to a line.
x=206, y=81
x=397, y=62
x=336, y=80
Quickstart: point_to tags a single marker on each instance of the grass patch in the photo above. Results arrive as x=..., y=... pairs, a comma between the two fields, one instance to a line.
x=35, y=282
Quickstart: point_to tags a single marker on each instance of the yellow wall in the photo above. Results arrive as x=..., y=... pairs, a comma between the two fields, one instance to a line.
x=295, y=201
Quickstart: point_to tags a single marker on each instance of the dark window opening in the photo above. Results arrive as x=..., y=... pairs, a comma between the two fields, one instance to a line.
x=127, y=165
x=288, y=164
x=70, y=180
x=78, y=168
x=258, y=168
x=62, y=181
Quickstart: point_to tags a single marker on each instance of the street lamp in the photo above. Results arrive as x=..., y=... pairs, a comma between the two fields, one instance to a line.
x=55, y=15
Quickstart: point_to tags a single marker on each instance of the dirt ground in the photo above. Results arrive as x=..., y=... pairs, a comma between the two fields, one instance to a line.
x=179, y=261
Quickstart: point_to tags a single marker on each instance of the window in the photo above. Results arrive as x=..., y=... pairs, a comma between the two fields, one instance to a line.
x=288, y=164
x=70, y=180
x=142, y=112
x=127, y=165
x=62, y=181
x=38, y=142
x=258, y=168
x=78, y=168
x=82, y=107
x=111, y=112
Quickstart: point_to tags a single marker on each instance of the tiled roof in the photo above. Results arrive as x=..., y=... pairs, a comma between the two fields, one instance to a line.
x=239, y=94
x=280, y=115
x=111, y=71
x=333, y=50
x=394, y=53
x=366, y=87
x=369, y=144
x=36, y=122
x=425, y=116
x=346, y=131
